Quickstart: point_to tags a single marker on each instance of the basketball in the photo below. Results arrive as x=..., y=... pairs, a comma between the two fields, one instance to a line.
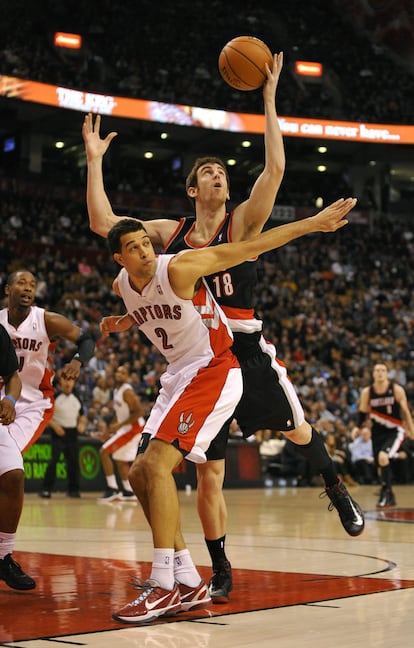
x=242, y=62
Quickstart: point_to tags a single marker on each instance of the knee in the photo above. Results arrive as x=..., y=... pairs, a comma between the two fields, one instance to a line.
x=12, y=482
x=300, y=435
x=210, y=477
x=136, y=475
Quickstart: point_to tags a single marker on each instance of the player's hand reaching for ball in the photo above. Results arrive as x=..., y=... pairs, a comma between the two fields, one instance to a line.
x=95, y=146
x=273, y=74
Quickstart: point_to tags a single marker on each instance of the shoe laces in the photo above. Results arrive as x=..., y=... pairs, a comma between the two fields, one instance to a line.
x=335, y=493
x=146, y=586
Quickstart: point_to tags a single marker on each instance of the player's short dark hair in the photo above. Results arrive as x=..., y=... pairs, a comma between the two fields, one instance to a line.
x=191, y=180
x=123, y=226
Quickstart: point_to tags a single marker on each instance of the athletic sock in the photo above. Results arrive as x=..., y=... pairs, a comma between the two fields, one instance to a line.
x=184, y=569
x=217, y=551
x=386, y=476
x=7, y=542
x=111, y=481
x=163, y=568
x=316, y=453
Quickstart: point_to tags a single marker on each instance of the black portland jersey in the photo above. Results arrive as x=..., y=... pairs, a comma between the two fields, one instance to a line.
x=232, y=288
x=385, y=411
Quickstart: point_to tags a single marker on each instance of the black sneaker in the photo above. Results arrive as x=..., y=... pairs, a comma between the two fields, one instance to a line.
x=45, y=494
x=386, y=498
x=14, y=576
x=110, y=495
x=221, y=583
x=350, y=512
x=74, y=494
x=128, y=496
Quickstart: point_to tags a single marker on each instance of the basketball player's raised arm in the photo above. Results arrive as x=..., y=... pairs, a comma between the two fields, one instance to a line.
x=101, y=215
x=252, y=214
x=188, y=266
x=100, y=212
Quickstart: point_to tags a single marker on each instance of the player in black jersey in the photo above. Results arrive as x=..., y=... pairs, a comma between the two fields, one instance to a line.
x=385, y=404
x=270, y=400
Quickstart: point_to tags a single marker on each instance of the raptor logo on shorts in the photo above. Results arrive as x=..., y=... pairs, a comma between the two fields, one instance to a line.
x=185, y=424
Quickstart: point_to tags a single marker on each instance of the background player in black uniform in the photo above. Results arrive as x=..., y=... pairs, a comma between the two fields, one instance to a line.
x=385, y=404
x=273, y=402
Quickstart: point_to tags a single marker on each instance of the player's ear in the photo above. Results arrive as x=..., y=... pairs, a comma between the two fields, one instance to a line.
x=118, y=258
x=192, y=192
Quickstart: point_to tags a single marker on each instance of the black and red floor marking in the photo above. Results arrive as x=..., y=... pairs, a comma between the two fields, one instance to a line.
x=392, y=515
x=76, y=595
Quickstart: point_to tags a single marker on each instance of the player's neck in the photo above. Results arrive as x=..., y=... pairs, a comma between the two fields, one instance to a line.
x=207, y=223
x=17, y=315
x=381, y=386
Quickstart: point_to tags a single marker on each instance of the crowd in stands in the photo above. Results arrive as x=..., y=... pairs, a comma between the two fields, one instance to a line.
x=332, y=304
x=168, y=52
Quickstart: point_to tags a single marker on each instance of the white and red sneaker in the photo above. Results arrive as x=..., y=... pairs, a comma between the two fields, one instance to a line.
x=153, y=602
x=194, y=598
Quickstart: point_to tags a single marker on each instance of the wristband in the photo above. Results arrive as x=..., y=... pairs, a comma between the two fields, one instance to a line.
x=13, y=400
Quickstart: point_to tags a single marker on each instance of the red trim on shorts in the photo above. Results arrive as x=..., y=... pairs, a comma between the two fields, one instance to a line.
x=47, y=415
x=125, y=438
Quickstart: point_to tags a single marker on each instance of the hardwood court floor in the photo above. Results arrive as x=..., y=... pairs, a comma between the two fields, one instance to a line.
x=299, y=579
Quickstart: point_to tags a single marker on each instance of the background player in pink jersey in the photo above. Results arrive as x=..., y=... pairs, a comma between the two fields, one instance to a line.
x=33, y=332
x=170, y=302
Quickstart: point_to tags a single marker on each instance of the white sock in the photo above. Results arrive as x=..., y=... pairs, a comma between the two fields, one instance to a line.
x=126, y=485
x=7, y=542
x=111, y=481
x=184, y=569
x=163, y=568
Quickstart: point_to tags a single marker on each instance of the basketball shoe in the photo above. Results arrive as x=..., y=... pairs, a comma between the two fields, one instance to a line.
x=13, y=574
x=153, y=602
x=221, y=583
x=194, y=598
x=386, y=498
x=350, y=513
x=110, y=495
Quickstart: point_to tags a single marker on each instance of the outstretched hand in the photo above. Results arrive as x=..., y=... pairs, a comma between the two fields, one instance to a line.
x=115, y=324
x=332, y=218
x=273, y=73
x=95, y=146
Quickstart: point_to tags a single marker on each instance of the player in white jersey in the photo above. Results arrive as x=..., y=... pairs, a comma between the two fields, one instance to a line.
x=171, y=303
x=33, y=332
x=122, y=445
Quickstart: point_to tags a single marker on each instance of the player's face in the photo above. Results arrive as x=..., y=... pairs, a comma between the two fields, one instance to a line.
x=380, y=373
x=22, y=291
x=66, y=384
x=212, y=183
x=121, y=375
x=137, y=255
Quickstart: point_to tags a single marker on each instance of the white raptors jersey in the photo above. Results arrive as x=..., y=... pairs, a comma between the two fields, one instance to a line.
x=120, y=406
x=34, y=352
x=181, y=329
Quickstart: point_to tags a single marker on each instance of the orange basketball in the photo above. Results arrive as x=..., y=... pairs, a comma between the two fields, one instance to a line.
x=242, y=62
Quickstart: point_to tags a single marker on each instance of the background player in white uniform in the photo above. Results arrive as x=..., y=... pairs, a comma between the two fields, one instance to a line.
x=32, y=331
x=171, y=303
x=122, y=445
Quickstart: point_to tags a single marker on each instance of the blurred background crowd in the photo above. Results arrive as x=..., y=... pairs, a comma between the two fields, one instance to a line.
x=332, y=304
